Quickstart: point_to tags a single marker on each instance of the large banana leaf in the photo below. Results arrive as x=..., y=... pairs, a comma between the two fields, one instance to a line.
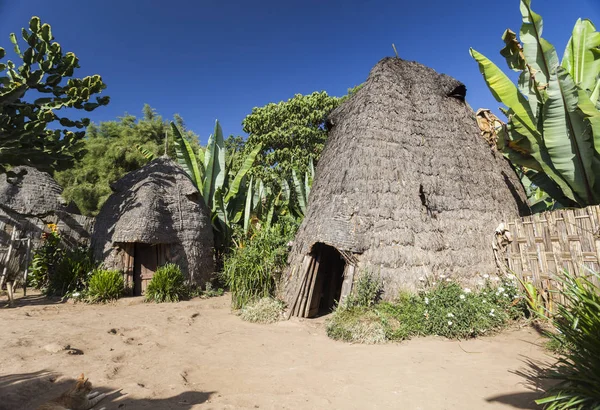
x=300, y=194
x=539, y=53
x=248, y=205
x=582, y=56
x=248, y=162
x=187, y=158
x=567, y=138
x=214, y=165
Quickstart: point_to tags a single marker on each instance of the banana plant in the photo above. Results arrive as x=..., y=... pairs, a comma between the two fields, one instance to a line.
x=553, y=128
x=302, y=188
x=223, y=194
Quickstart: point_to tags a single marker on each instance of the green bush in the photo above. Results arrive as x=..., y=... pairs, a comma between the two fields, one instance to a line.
x=265, y=310
x=577, y=323
x=167, y=285
x=251, y=272
x=105, y=285
x=367, y=291
x=446, y=310
x=58, y=271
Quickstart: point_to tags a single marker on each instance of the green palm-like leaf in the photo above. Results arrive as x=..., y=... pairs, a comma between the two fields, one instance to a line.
x=187, y=158
x=214, y=165
x=300, y=194
x=248, y=163
x=582, y=56
x=248, y=205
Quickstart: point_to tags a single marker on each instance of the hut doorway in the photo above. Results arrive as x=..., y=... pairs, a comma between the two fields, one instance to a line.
x=145, y=262
x=327, y=280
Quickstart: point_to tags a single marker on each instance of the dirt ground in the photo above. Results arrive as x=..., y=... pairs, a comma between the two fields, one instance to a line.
x=198, y=355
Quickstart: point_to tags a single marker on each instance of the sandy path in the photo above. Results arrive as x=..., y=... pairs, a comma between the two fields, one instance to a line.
x=197, y=355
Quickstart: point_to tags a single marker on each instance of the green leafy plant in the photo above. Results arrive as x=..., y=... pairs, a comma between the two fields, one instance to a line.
x=167, y=285
x=446, y=309
x=25, y=135
x=59, y=271
x=577, y=322
x=224, y=195
x=367, y=291
x=553, y=129
x=265, y=310
x=251, y=272
x=535, y=301
x=105, y=285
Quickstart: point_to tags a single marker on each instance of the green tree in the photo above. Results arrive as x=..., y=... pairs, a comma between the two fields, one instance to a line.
x=291, y=133
x=31, y=96
x=114, y=148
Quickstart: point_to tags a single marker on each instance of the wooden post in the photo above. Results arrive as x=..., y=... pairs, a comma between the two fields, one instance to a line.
x=26, y=265
x=10, y=246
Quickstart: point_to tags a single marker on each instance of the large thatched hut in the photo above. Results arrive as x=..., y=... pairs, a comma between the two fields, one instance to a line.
x=405, y=189
x=154, y=216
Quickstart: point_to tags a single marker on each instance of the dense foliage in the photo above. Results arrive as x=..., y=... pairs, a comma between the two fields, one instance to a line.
x=32, y=94
x=290, y=134
x=252, y=271
x=59, y=271
x=114, y=148
x=445, y=309
x=105, y=286
x=167, y=285
x=577, y=322
x=553, y=130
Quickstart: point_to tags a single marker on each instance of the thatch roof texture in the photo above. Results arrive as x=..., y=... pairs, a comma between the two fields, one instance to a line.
x=29, y=192
x=157, y=204
x=406, y=183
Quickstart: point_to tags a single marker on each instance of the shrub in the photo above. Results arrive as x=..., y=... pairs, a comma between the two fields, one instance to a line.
x=577, y=322
x=367, y=292
x=251, y=272
x=265, y=310
x=167, y=285
x=105, y=285
x=356, y=325
x=445, y=310
x=58, y=271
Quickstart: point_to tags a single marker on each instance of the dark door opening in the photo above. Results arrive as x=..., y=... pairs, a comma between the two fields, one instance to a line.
x=145, y=261
x=327, y=287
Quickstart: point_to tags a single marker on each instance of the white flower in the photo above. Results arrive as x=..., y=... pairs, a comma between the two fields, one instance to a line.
x=449, y=323
x=467, y=290
x=486, y=276
x=426, y=301
x=462, y=297
x=421, y=279
x=434, y=283
x=442, y=276
x=450, y=315
x=76, y=294
x=492, y=312
x=496, y=279
x=448, y=279
x=501, y=289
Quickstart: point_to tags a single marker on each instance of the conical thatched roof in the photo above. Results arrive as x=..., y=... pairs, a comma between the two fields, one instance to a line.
x=30, y=192
x=157, y=204
x=406, y=184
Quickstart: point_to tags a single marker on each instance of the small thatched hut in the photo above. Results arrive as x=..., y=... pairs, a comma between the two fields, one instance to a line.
x=29, y=201
x=154, y=216
x=405, y=189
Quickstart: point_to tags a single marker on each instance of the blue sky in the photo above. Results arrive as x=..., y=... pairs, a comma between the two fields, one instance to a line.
x=219, y=59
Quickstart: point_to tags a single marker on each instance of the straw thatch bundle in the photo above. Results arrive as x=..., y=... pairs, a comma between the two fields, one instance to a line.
x=156, y=205
x=406, y=188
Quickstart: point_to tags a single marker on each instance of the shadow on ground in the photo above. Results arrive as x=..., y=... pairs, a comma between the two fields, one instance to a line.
x=34, y=298
x=26, y=391
x=534, y=379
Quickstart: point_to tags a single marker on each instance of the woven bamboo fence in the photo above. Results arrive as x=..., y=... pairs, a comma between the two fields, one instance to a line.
x=538, y=247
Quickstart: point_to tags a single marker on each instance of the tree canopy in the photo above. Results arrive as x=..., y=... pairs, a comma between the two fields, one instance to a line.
x=31, y=96
x=291, y=133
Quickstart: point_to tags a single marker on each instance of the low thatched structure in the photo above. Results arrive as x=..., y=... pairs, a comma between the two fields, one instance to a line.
x=30, y=200
x=154, y=216
x=406, y=189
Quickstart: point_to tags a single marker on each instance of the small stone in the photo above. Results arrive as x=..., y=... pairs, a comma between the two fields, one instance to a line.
x=55, y=347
